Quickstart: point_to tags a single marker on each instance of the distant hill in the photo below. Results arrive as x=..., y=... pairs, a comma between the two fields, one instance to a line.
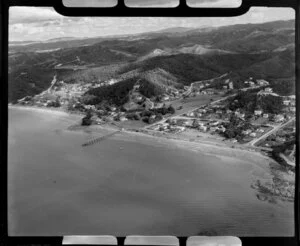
x=166, y=58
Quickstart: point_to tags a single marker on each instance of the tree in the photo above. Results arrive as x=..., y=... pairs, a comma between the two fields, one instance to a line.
x=86, y=121
x=171, y=109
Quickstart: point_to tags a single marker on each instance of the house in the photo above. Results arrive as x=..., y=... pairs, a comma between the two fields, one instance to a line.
x=203, y=128
x=293, y=109
x=180, y=128
x=228, y=111
x=269, y=90
x=136, y=87
x=286, y=102
x=227, y=81
x=246, y=132
x=258, y=112
x=262, y=82
x=111, y=82
x=214, y=123
x=225, y=87
x=266, y=116
x=252, y=134
x=188, y=123
x=292, y=97
x=172, y=121
x=148, y=104
x=230, y=85
x=165, y=98
x=222, y=129
x=158, y=105
x=252, y=84
x=123, y=118
x=156, y=127
x=279, y=118
x=238, y=114
x=191, y=114
x=112, y=108
x=241, y=115
x=138, y=98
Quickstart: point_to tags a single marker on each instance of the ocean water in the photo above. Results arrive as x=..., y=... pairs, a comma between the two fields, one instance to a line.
x=128, y=184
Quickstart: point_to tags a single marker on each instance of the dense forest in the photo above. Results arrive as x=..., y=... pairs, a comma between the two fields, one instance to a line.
x=149, y=89
x=115, y=94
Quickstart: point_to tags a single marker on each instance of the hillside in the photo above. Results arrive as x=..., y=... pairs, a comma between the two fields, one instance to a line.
x=166, y=58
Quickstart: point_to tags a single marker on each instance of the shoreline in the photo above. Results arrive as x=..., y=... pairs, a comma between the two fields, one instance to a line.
x=46, y=110
x=209, y=146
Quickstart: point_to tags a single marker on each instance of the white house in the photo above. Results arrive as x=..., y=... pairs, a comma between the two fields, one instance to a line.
x=246, y=132
x=258, y=112
x=279, y=118
x=268, y=89
x=262, y=82
x=293, y=109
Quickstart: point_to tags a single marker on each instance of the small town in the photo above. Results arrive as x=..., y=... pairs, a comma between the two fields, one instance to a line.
x=219, y=120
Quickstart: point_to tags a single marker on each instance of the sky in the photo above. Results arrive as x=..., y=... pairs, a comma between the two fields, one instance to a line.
x=40, y=24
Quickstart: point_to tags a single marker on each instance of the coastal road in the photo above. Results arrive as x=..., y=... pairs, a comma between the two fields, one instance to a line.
x=253, y=142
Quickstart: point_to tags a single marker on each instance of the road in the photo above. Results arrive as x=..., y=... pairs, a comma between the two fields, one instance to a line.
x=189, y=91
x=291, y=163
x=186, y=112
x=191, y=110
x=276, y=128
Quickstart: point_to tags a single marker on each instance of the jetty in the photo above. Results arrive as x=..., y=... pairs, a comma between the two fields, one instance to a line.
x=99, y=139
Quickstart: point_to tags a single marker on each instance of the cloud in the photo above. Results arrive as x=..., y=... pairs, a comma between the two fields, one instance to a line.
x=32, y=14
x=34, y=23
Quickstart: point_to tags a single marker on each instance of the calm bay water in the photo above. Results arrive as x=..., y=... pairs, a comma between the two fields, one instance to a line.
x=128, y=184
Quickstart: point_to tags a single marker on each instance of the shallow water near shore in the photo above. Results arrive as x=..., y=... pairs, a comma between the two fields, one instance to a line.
x=129, y=184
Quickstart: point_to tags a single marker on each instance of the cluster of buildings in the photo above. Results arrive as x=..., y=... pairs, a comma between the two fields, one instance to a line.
x=181, y=124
